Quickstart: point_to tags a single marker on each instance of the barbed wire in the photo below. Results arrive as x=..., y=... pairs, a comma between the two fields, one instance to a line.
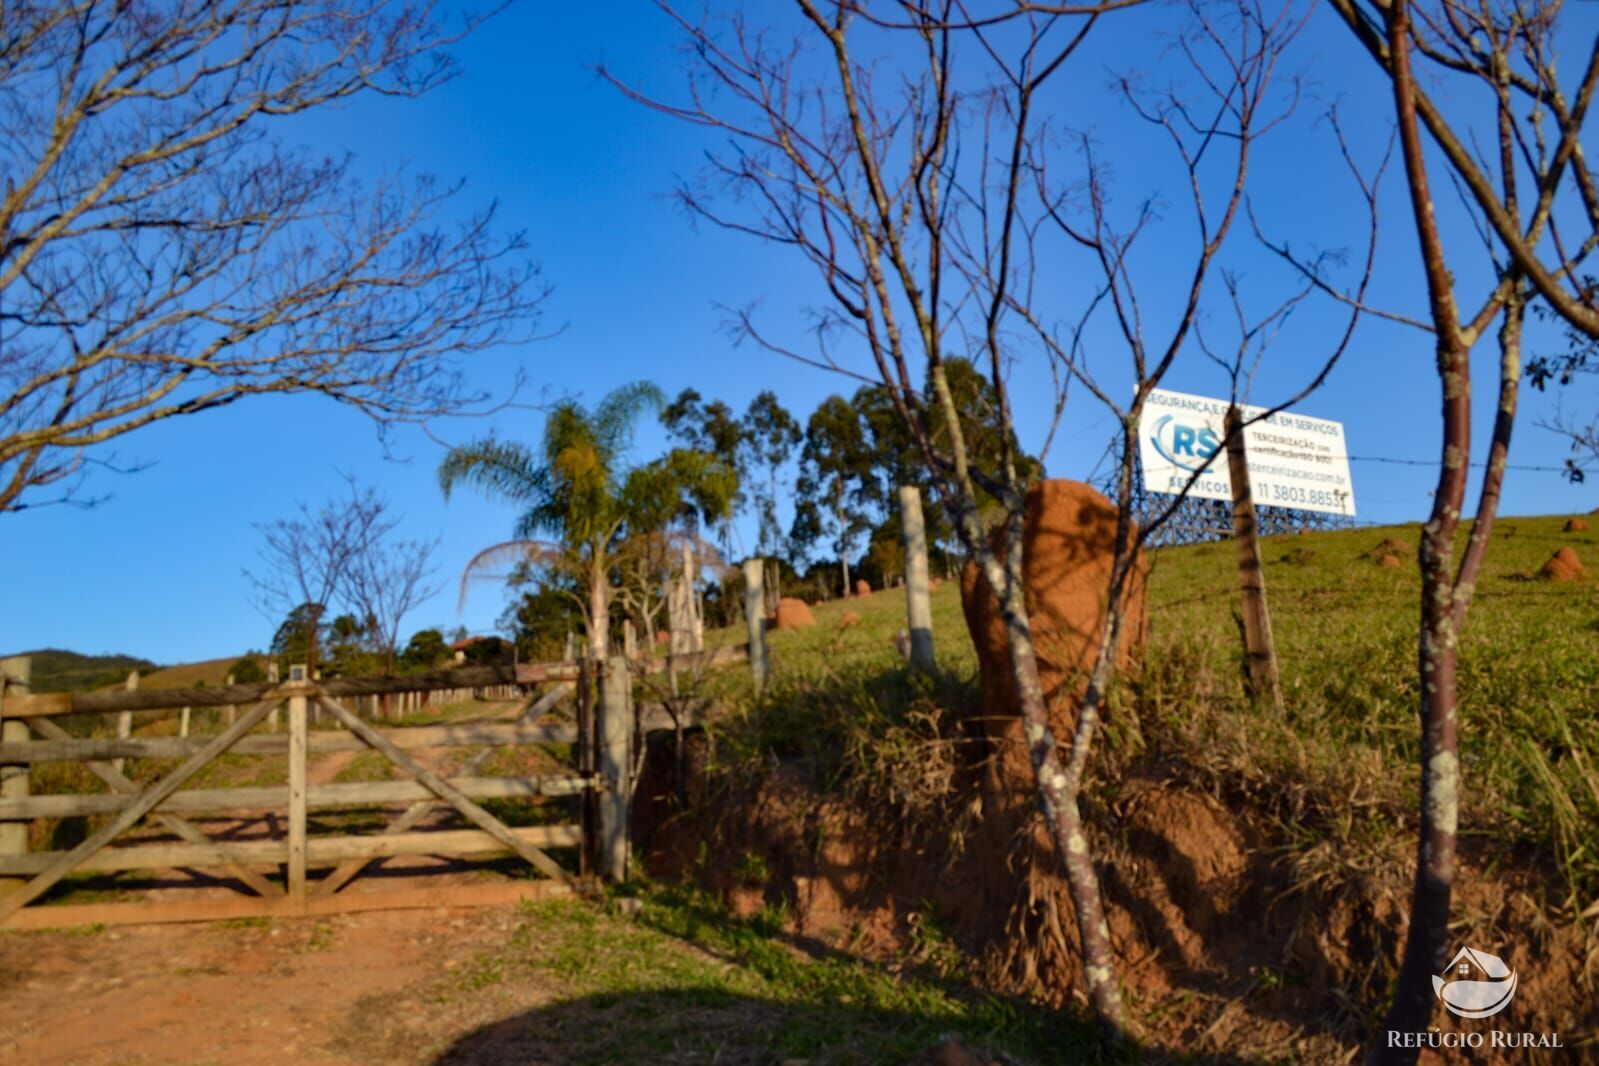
x=1434, y=462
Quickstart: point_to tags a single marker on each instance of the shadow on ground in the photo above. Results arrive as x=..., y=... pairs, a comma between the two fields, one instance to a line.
x=710, y=1026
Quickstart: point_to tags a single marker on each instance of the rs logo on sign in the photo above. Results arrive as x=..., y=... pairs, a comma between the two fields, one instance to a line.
x=1183, y=445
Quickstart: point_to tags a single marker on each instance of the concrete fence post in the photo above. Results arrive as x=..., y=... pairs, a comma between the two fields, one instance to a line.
x=125, y=719
x=275, y=719
x=16, y=678
x=755, y=619
x=616, y=735
x=918, y=597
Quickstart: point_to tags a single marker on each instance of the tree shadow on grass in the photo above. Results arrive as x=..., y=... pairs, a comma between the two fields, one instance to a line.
x=762, y=996
x=706, y=1025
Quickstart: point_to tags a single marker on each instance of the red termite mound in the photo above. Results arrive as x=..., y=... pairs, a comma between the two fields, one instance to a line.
x=1564, y=565
x=1068, y=541
x=793, y=614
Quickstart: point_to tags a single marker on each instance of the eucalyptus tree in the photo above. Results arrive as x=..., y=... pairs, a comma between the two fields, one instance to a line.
x=771, y=435
x=834, y=492
x=710, y=428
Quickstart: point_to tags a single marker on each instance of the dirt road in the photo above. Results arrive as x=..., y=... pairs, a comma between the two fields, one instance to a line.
x=292, y=991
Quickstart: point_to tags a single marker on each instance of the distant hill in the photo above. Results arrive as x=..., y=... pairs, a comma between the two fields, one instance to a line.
x=210, y=672
x=55, y=670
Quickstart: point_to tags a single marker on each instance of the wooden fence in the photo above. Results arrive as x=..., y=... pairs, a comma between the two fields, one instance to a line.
x=33, y=734
x=601, y=736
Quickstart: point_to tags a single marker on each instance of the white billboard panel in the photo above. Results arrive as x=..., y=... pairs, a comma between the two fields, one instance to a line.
x=1294, y=460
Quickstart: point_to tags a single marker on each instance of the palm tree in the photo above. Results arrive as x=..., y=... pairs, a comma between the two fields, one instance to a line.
x=580, y=502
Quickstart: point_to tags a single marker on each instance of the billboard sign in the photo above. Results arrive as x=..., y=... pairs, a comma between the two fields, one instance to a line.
x=1294, y=460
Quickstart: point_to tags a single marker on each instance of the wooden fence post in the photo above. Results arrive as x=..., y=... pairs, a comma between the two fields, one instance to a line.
x=16, y=676
x=755, y=619
x=232, y=709
x=616, y=732
x=297, y=804
x=918, y=601
x=1262, y=650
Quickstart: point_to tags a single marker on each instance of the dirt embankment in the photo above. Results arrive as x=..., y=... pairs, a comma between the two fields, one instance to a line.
x=1234, y=931
x=1225, y=946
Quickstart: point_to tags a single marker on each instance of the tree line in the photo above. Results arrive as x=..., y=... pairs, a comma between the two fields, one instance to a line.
x=600, y=540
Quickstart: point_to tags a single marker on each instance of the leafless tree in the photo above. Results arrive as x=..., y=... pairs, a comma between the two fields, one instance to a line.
x=308, y=560
x=163, y=253
x=384, y=582
x=648, y=564
x=1546, y=226
x=921, y=200
x=1531, y=194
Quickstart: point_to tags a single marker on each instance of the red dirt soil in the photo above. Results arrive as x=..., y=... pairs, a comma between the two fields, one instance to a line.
x=250, y=990
x=1223, y=949
x=1564, y=565
x=271, y=993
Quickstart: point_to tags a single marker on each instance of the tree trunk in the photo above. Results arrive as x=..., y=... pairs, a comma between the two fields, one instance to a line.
x=1438, y=659
x=599, y=608
x=1057, y=794
x=843, y=546
x=1438, y=649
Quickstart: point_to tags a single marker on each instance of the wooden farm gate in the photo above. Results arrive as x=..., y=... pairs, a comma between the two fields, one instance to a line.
x=321, y=719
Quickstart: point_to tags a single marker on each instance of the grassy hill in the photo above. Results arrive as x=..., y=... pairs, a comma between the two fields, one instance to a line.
x=192, y=675
x=57, y=670
x=1341, y=768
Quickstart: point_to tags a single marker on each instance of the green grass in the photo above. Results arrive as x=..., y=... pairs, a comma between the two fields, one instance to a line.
x=1346, y=639
x=681, y=981
x=1340, y=771
x=366, y=766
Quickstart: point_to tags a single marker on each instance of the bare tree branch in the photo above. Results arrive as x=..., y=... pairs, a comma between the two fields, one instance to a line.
x=161, y=253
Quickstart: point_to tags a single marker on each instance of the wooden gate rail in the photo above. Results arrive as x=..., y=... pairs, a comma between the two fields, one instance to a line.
x=118, y=782
x=350, y=868
x=318, y=797
x=494, y=734
x=50, y=704
x=55, y=704
x=456, y=843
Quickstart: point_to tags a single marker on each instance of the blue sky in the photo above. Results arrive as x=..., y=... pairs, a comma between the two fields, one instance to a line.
x=156, y=569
